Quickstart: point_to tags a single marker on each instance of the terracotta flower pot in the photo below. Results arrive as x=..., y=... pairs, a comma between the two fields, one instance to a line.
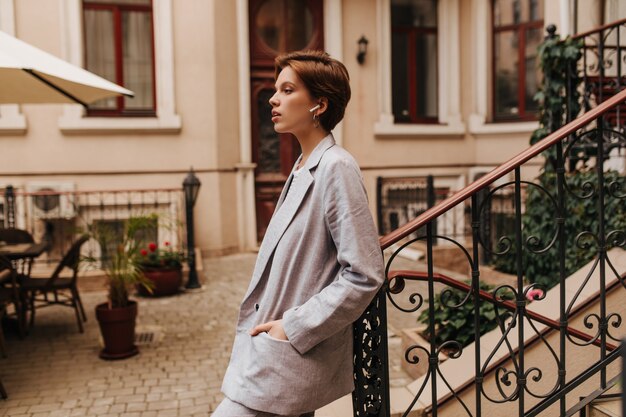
x=165, y=281
x=117, y=326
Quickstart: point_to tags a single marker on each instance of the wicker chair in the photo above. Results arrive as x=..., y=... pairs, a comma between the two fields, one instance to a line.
x=57, y=290
x=8, y=294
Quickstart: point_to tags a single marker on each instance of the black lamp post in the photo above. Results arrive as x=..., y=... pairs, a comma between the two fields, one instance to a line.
x=191, y=186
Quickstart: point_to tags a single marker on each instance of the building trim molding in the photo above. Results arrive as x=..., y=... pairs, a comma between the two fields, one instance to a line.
x=246, y=209
x=333, y=44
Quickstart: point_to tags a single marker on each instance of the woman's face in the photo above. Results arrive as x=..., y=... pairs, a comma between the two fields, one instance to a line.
x=291, y=104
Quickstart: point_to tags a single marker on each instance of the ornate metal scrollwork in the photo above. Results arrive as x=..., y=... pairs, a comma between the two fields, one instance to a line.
x=371, y=373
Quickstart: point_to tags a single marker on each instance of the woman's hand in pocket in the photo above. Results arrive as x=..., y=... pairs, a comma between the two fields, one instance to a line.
x=273, y=328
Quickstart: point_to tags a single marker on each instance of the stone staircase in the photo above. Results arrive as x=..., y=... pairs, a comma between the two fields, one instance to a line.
x=461, y=372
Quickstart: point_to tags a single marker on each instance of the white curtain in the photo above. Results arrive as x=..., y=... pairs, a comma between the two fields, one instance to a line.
x=136, y=55
x=137, y=47
x=100, y=49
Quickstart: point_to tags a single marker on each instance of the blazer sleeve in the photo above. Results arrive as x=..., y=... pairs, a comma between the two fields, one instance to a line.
x=359, y=256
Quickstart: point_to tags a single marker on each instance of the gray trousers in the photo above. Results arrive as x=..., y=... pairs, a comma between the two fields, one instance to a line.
x=229, y=408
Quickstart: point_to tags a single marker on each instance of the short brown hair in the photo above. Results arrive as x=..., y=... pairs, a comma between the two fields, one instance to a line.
x=323, y=76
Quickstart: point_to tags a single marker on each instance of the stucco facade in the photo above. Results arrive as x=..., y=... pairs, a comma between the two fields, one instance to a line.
x=203, y=107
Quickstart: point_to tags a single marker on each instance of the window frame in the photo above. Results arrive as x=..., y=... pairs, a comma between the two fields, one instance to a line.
x=412, y=34
x=522, y=29
x=117, y=9
x=449, y=121
x=167, y=120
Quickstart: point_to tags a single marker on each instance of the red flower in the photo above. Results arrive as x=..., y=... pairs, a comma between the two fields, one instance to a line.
x=534, y=294
x=152, y=246
x=166, y=243
x=143, y=252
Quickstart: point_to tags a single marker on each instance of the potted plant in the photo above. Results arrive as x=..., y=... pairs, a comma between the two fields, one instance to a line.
x=162, y=267
x=117, y=316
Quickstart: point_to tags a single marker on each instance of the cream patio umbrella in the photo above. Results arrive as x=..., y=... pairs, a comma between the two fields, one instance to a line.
x=30, y=75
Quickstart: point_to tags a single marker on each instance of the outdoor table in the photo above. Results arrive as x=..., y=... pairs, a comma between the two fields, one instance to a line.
x=16, y=252
x=22, y=250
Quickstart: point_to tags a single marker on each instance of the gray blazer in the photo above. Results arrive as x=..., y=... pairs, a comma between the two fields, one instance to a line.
x=318, y=267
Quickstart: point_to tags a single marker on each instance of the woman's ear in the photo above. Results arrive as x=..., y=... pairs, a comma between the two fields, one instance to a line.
x=323, y=103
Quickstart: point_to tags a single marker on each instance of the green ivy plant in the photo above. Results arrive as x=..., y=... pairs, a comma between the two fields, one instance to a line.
x=558, y=61
x=456, y=322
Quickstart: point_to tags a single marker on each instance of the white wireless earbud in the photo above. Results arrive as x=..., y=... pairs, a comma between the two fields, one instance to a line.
x=314, y=108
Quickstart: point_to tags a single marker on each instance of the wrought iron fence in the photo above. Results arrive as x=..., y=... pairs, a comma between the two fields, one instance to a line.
x=551, y=346
x=58, y=216
x=401, y=199
x=602, y=72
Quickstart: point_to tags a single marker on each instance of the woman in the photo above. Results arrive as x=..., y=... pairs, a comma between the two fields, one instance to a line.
x=319, y=264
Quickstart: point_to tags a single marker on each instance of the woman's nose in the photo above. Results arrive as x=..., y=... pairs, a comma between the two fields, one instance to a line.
x=273, y=101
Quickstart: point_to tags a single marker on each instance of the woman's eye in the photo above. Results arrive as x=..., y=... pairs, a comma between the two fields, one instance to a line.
x=288, y=90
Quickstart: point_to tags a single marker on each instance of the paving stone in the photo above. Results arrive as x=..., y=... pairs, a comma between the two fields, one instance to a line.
x=60, y=413
x=117, y=408
x=92, y=411
x=178, y=375
x=138, y=406
x=163, y=405
x=103, y=401
x=28, y=401
x=119, y=391
x=127, y=399
x=15, y=411
x=168, y=413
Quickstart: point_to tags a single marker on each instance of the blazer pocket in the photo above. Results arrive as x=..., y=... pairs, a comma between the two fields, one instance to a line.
x=273, y=359
x=273, y=338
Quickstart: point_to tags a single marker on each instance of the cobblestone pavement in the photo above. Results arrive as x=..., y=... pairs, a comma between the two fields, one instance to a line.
x=55, y=370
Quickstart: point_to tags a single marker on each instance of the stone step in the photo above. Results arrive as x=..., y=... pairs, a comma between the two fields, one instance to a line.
x=401, y=399
x=606, y=407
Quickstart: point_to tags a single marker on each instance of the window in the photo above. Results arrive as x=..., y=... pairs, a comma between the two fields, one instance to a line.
x=119, y=46
x=414, y=61
x=112, y=232
x=517, y=32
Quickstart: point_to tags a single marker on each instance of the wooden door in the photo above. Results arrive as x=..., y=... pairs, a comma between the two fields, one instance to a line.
x=276, y=26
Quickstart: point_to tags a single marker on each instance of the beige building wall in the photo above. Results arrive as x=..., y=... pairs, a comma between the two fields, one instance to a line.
x=207, y=126
x=205, y=86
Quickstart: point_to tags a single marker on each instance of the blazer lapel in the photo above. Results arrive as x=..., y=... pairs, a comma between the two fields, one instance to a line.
x=283, y=193
x=286, y=209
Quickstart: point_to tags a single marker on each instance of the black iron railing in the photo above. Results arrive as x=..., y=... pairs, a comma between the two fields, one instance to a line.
x=58, y=217
x=531, y=363
x=602, y=71
x=401, y=199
